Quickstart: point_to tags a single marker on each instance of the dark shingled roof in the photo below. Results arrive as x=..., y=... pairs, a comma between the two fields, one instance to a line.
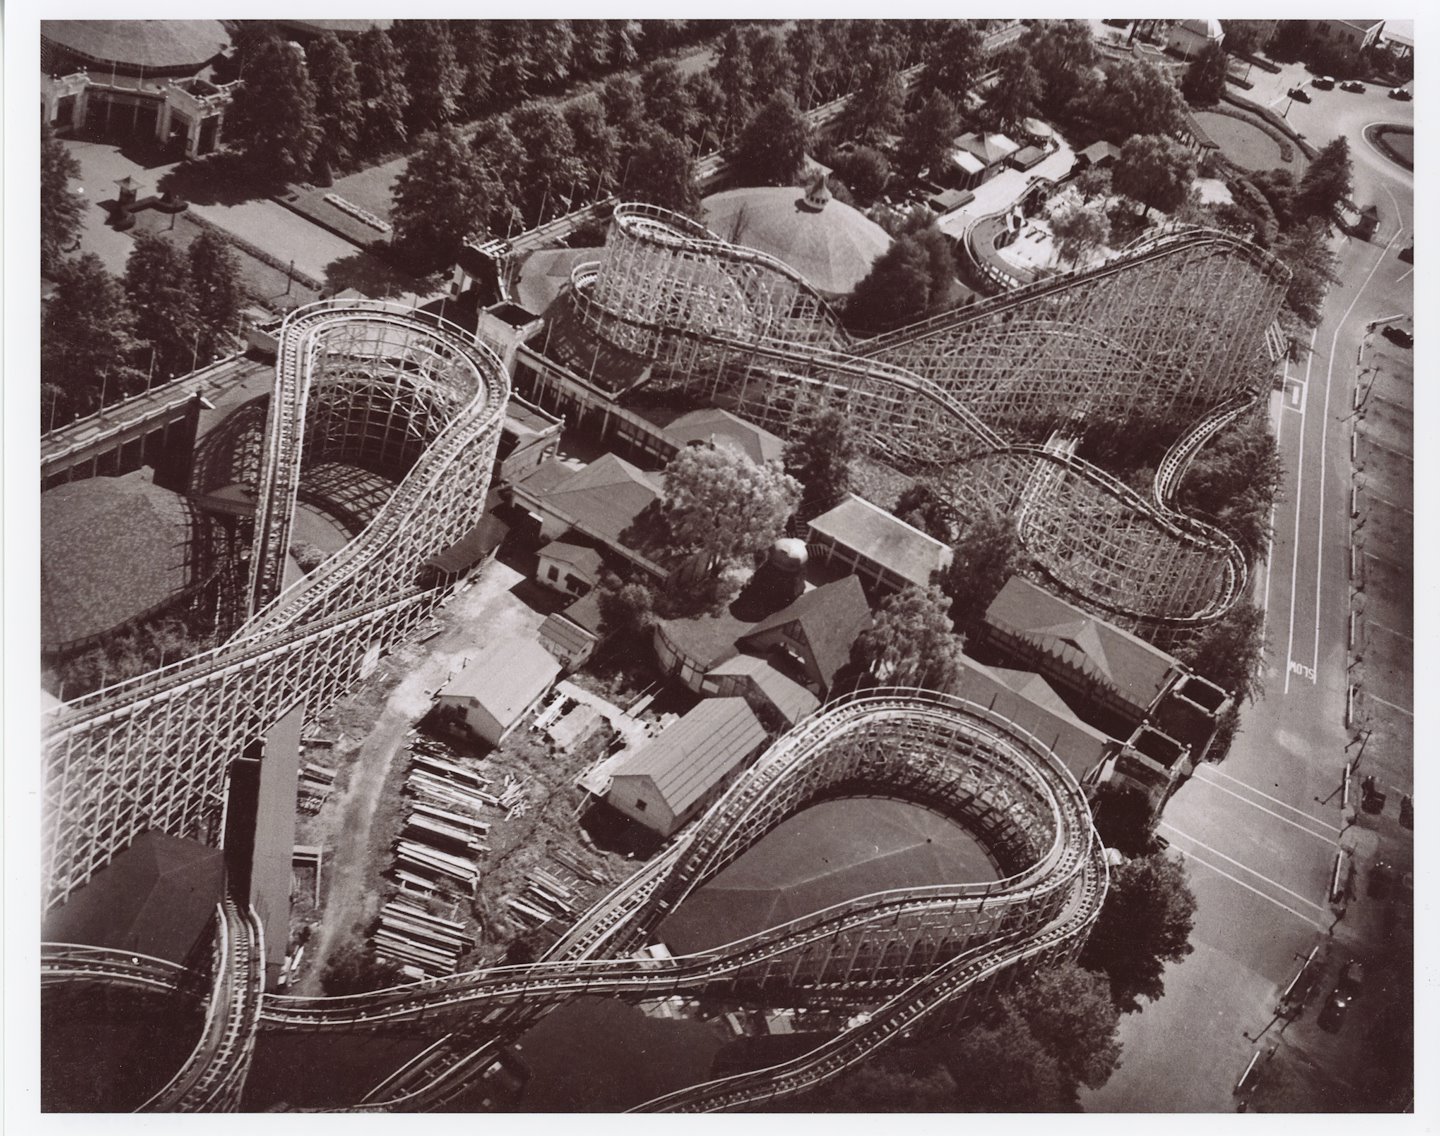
x=154, y=898
x=702, y=748
x=1134, y=668
x=791, y=699
x=604, y=497
x=723, y=428
x=580, y=556
x=89, y=527
x=480, y=541
x=156, y=45
x=830, y=618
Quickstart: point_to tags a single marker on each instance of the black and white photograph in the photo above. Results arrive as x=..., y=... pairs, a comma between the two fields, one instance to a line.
x=774, y=563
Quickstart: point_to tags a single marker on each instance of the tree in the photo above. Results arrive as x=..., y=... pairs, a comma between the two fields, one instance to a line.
x=1137, y=98
x=876, y=107
x=921, y=506
x=1277, y=186
x=215, y=279
x=1229, y=651
x=999, y=1066
x=597, y=144
x=1234, y=480
x=880, y=1085
x=987, y=552
x=157, y=288
x=913, y=276
x=864, y=170
x=731, y=71
x=1078, y=230
x=771, y=148
x=1204, y=80
x=1016, y=93
x=719, y=502
x=662, y=173
x=272, y=116
x=432, y=74
x=929, y=137
x=1124, y=818
x=380, y=72
x=86, y=340
x=627, y=609
x=708, y=104
x=667, y=99
x=1064, y=54
x=952, y=61
x=624, y=109
x=911, y=642
x=1246, y=37
x=551, y=169
x=770, y=66
x=1155, y=172
x=805, y=47
x=1069, y=1012
x=1145, y=922
x=1249, y=213
x=62, y=209
x=354, y=969
x=552, y=46
x=1306, y=252
x=514, y=75
x=474, y=44
x=592, y=46
x=1327, y=181
x=502, y=157
x=442, y=196
x=1093, y=181
x=821, y=459
x=339, y=109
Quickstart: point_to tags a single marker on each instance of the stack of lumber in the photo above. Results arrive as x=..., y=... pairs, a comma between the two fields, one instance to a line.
x=411, y=936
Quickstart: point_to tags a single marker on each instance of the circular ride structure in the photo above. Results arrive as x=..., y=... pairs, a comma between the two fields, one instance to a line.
x=392, y=389
x=982, y=399
x=899, y=955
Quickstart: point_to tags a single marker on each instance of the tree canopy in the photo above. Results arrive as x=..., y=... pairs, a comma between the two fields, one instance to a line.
x=953, y=61
x=380, y=74
x=772, y=145
x=272, y=117
x=432, y=73
x=1204, y=79
x=339, y=111
x=915, y=275
x=912, y=641
x=821, y=461
x=215, y=279
x=1229, y=651
x=1155, y=171
x=157, y=288
x=1017, y=92
x=720, y=503
x=928, y=137
x=987, y=552
x=865, y=171
x=1306, y=251
x=442, y=196
x=552, y=170
x=1145, y=923
x=878, y=102
x=1000, y=1066
x=1079, y=230
x=1137, y=98
x=661, y=172
x=86, y=341
x=1063, y=53
x=1327, y=181
x=62, y=210
x=1069, y=1012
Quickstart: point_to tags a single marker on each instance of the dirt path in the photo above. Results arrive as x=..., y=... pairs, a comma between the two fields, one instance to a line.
x=486, y=612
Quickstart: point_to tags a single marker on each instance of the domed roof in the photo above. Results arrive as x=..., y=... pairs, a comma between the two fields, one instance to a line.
x=112, y=549
x=829, y=243
x=156, y=45
x=1208, y=29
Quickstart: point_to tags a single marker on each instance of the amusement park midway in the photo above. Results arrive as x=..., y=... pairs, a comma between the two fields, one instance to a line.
x=1261, y=832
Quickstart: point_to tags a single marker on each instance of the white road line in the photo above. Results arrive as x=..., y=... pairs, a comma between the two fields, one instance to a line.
x=1270, y=539
x=1248, y=887
x=1271, y=812
x=1267, y=796
x=1383, y=702
x=1242, y=867
x=1325, y=426
x=1401, y=278
x=1299, y=487
x=1389, y=630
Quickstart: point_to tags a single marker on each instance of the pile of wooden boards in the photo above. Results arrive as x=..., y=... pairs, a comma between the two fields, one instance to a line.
x=443, y=832
x=316, y=781
x=424, y=945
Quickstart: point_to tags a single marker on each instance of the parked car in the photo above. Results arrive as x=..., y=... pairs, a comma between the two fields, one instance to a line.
x=1402, y=338
x=1323, y=83
x=1401, y=93
x=1354, y=86
x=1299, y=94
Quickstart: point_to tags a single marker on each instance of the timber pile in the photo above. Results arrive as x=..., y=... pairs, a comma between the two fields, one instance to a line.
x=424, y=945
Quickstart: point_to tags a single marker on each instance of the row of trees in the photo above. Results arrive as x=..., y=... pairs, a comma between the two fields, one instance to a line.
x=335, y=103
x=103, y=339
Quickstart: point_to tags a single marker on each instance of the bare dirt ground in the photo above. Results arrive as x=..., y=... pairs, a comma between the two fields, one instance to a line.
x=368, y=730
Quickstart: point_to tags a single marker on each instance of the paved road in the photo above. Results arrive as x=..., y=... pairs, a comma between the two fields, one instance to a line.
x=1260, y=833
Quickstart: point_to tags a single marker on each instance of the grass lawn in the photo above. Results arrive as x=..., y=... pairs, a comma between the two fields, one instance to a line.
x=262, y=283
x=370, y=189
x=1247, y=145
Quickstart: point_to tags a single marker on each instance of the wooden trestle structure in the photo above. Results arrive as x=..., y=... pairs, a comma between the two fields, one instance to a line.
x=980, y=399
